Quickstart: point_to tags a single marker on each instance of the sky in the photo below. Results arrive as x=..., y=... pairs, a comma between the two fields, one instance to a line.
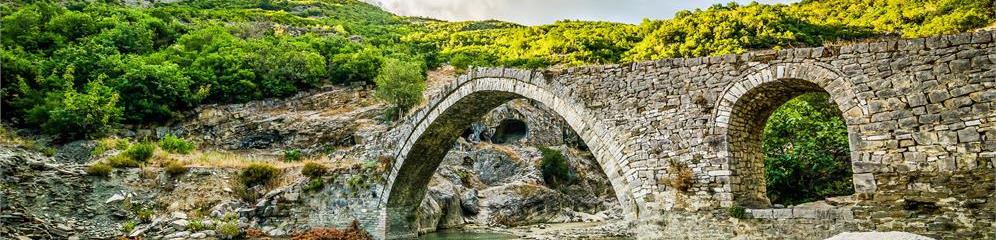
x=538, y=12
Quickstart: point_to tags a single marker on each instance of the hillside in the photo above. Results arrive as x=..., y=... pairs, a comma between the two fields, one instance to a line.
x=140, y=65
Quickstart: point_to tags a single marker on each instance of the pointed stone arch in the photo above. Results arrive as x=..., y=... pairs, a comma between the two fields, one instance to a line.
x=432, y=131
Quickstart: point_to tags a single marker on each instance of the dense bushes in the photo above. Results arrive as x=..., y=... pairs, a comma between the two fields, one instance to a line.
x=80, y=71
x=77, y=114
x=554, y=167
x=118, y=64
x=806, y=151
x=717, y=30
x=258, y=174
x=401, y=84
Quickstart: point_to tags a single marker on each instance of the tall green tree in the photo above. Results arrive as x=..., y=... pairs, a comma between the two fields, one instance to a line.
x=401, y=84
x=806, y=151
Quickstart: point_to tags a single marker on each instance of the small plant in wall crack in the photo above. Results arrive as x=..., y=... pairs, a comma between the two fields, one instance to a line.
x=680, y=176
x=738, y=212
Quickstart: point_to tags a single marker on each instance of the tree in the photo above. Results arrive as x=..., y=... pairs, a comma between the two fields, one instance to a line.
x=152, y=92
x=401, y=84
x=360, y=66
x=806, y=151
x=74, y=114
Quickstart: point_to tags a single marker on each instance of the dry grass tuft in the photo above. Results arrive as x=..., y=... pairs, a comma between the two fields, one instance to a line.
x=680, y=177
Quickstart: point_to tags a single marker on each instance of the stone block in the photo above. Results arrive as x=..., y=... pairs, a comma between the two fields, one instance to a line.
x=803, y=213
x=781, y=213
x=720, y=173
x=760, y=213
x=969, y=134
x=864, y=183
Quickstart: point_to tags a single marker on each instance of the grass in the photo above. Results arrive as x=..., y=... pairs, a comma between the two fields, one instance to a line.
x=314, y=185
x=9, y=137
x=314, y=170
x=293, y=155
x=123, y=161
x=737, y=212
x=128, y=226
x=174, y=168
x=173, y=144
x=99, y=170
x=107, y=144
x=228, y=229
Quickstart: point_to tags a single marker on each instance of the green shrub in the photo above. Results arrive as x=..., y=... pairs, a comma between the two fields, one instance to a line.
x=175, y=144
x=737, y=212
x=196, y=225
x=357, y=182
x=292, y=155
x=73, y=114
x=141, y=152
x=807, y=156
x=49, y=151
x=175, y=168
x=99, y=170
x=315, y=184
x=554, y=167
x=314, y=170
x=123, y=161
x=228, y=229
x=144, y=215
x=258, y=174
x=128, y=226
x=401, y=84
x=107, y=144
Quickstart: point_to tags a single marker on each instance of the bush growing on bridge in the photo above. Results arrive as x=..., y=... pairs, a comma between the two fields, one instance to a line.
x=554, y=167
x=737, y=211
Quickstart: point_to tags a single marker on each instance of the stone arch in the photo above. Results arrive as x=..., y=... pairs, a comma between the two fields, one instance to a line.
x=434, y=129
x=745, y=105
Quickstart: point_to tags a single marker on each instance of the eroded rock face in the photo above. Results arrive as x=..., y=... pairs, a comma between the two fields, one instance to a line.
x=310, y=121
x=40, y=198
x=501, y=185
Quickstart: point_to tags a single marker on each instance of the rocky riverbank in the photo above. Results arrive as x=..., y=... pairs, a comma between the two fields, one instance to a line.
x=491, y=178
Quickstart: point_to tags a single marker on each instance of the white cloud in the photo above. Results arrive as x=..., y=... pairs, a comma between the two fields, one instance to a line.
x=533, y=12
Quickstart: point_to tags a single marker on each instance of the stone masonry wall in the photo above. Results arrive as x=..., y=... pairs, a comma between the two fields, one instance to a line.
x=920, y=115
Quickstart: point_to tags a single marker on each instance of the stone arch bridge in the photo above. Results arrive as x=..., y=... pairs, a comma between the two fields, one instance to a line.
x=920, y=114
